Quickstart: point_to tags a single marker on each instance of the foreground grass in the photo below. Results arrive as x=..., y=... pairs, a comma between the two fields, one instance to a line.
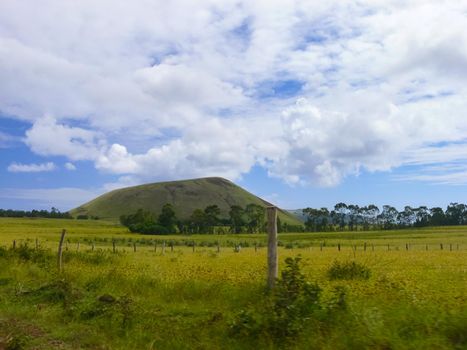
x=181, y=299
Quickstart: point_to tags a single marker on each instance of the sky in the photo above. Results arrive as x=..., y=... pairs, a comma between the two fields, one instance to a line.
x=304, y=103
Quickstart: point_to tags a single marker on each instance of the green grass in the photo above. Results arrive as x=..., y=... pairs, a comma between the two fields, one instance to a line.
x=413, y=299
x=185, y=196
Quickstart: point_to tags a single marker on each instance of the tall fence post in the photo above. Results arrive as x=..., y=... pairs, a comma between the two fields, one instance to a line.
x=273, y=269
x=60, y=251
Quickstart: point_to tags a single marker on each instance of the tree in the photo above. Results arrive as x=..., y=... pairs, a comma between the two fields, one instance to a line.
x=197, y=221
x=211, y=213
x=340, y=212
x=388, y=217
x=317, y=219
x=354, y=216
x=237, y=221
x=255, y=217
x=422, y=216
x=437, y=217
x=368, y=215
x=167, y=217
x=406, y=217
x=456, y=214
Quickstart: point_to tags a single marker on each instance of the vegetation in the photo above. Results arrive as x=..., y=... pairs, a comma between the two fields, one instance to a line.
x=205, y=299
x=353, y=218
x=184, y=196
x=251, y=220
x=54, y=213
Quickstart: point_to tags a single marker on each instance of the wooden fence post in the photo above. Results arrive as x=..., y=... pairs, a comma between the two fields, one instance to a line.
x=60, y=251
x=339, y=247
x=193, y=246
x=163, y=248
x=37, y=244
x=171, y=246
x=218, y=247
x=134, y=247
x=441, y=246
x=92, y=246
x=364, y=247
x=14, y=244
x=273, y=268
x=113, y=246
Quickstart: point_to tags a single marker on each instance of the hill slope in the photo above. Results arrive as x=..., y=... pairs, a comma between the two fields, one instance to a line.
x=185, y=196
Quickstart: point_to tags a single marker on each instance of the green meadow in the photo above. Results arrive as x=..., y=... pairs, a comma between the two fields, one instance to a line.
x=402, y=289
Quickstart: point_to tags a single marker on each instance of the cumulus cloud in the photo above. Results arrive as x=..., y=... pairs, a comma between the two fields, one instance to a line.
x=31, y=168
x=49, y=138
x=157, y=90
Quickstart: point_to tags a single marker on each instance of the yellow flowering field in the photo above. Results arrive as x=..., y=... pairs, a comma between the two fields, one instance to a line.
x=208, y=292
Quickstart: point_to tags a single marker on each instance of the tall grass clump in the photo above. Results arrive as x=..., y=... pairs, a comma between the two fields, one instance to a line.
x=348, y=270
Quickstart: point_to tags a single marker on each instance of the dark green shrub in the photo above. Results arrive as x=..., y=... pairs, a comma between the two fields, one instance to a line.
x=293, y=300
x=286, y=310
x=348, y=270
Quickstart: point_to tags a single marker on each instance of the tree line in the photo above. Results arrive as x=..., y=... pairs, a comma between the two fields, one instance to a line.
x=352, y=217
x=54, y=213
x=249, y=219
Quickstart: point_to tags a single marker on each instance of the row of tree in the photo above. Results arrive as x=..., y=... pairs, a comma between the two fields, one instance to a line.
x=250, y=219
x=352, y=217
x=54, y=213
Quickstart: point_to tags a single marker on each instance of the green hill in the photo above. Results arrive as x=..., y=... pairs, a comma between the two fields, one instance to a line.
x=185, y=196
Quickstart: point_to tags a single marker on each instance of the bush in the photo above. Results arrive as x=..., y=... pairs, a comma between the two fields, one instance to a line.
x=40, y=256
x=149, y=228
x=287, y=308
x=348, y=270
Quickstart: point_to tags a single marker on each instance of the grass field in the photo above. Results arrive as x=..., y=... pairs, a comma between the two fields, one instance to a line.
x=203, y=298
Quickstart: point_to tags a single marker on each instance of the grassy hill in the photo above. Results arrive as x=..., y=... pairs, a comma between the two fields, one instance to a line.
x=185, y=196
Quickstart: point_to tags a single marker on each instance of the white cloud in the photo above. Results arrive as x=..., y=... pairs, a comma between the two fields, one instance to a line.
x=31, y=168
x=70, y=166
x=5, y=140
x=160, y=90
x=48, y=138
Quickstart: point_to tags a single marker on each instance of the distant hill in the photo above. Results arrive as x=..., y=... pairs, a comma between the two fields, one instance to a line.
x=298, y=213
x=185, y=196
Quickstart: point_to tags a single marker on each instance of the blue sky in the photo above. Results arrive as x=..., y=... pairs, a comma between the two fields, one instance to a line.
x=304, y=103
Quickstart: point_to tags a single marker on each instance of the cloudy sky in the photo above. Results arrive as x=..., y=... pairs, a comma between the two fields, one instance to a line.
x=305, y=103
